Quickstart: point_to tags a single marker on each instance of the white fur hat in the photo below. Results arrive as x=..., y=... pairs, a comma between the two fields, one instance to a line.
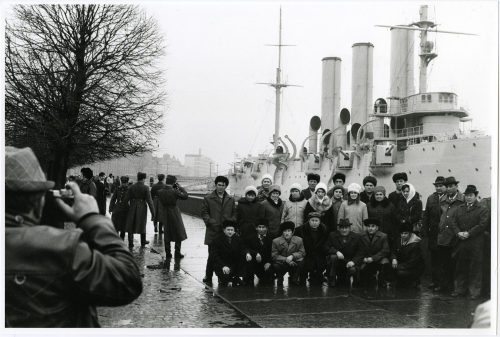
x=250, y=189
x=354, y=188
x=267, y=176
x=295, y=186
x=322, y=186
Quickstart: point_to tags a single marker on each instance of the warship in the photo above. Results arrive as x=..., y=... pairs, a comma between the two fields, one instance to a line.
x=421, y=133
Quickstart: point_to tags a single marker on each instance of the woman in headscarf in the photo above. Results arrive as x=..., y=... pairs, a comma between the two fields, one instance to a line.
x=354, y=209
x=263, y=191
x=409, y=208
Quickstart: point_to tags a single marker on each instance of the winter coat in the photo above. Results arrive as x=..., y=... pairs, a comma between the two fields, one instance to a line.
x=101, y=196
x=409, y=255
x=294, y=211
x=248, y=215
x=154, y=195
x=262, y=194
x=171, y=217
x=363, y=196
x=410, y=210
x=228, y=254
x=377, y=248
x=385, y=212
x=349, y=246
x=307, y=193
x=314, y=245
x=430, y=220
x=448, y=229
x=88, y=187
x=57, y=277
x=394, y=197
x=336, y=203
x=214, y=211
x=474, y=220
x=356, y=212
x=139, y=197
x=253, y=245
x=118, y=208
x=323, y=207
x=281, y=249
x=272, y=212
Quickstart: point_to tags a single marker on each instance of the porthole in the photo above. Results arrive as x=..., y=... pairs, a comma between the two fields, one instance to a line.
x=419, y=171
x=477, y=169
x=433, y=148
x=409, y=172
x=454, y=146
x=423, y=149
x=437, y=171
x=473, y=144
x=449, y=170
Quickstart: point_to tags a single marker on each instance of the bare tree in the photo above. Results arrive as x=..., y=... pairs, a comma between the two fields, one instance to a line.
x=82, y=83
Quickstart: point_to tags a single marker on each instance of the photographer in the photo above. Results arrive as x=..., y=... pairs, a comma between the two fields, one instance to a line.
x=56, y=277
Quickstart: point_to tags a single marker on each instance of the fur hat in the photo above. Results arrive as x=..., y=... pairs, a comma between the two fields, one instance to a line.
x=221, y=179
x=266, y=176
x=23, y=172
x=344, y=223
x=287, y=225
x=314, y=215
x=338, y=187
x=273, y=188
x=354, y=188
x=295, y=186
x=338, y=176
x=379, y=189
x=370, y=179
x=124, y=179
x=405, y=227
x=250, y=189
x=228, y=223
x=161, y=176
x=471, y=189
x=400, y=175
x=313, y=176
x=170, y=180
x=320, y=186
x=371, y=221
x=263, y=222
x=86, y=172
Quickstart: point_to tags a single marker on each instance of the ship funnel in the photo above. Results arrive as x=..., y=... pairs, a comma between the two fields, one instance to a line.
x=330, y=99
x=362, y=85
x=314, y=126
x=402, y=51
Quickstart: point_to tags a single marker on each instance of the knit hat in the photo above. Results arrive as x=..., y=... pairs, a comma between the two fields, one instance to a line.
x=287, y=225
x=23, y=172
x=378, y=189
x=274, y=188
x=338, y=187
x=295, y=186
x=313, y=176
x=266, y=176
x=370, y=179
x=354, y=188
x=250, y=189
x=314, y=215
x=320, y=186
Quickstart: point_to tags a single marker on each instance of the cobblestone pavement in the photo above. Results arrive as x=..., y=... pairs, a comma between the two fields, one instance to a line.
x=176, y=297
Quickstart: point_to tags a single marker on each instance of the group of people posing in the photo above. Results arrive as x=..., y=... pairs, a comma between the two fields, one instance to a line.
x=354, y=235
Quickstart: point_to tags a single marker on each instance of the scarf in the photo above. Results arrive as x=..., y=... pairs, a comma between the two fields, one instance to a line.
x=320, y=205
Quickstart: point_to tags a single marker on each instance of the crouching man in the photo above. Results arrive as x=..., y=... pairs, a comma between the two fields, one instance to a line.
x=228, y=256
x=288, y=254
x=407, y=261
x=375, y=247
x=56, y=277
x=258, y=255
x=344, y=254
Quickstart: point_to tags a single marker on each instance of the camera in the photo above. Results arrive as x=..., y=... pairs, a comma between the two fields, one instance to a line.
x=63, y=193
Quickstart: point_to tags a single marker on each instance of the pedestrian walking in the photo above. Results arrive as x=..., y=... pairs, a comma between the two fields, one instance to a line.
x=158, y=210
x=354, y=209
x=118, y=207
x=312, y=180
x=101, y=192
x=171, y=217
x=273, y=209
x=139, y=197
x=295, y=206
x=216, y=207
x=263, y=190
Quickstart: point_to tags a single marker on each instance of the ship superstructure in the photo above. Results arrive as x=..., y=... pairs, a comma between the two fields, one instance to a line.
x=421, y=133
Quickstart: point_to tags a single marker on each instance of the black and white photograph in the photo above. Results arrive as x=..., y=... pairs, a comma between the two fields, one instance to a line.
x=308, y=167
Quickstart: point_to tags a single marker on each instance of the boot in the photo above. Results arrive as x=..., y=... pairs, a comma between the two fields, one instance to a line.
x=130, y=240
x=168, y=254
x=160, y=225
x=155, y=224
x=143, y=240
x=177, y=248
x=122, y=235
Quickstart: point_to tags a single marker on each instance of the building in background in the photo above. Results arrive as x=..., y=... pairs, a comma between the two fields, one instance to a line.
x=198, y=165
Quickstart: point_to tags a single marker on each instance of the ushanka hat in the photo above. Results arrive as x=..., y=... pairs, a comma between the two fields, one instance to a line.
x=23, y=172
x=371, y=221
x=400, y=175
x=287, y=225
x=221, y=179
x=370, y=179
x=313, y=176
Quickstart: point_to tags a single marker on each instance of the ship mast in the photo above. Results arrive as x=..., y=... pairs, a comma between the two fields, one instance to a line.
x=277, y=86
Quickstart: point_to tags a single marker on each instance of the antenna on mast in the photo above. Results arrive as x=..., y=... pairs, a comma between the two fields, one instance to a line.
x=277, y=86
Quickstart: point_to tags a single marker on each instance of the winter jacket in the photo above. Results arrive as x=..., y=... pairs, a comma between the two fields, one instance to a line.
x=314, y=245
x=248, y=215
x=100, y=196
x=253, y=245
x=349, y=246
x=430, y=220
x=88, y=187
x=57, y=277
x=356, y=212
x=307, y=193
x=448, y=229
x=377, y=248
x=171, y=217
x=272, y=212
x=474, y=220
x=281, y=249
x=385, y=212
x=394, y=197
x=294, y=211
x=323, y=207
x=262, y=194
x=118, y=208
x=409, y=255
x=139, y=197
x=214, y=211
x=228, y=254
x=410, y=210
x=363, y=196
x=154, y=195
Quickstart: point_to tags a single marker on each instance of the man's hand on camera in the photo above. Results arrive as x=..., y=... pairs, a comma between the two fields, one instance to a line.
x=83, y=204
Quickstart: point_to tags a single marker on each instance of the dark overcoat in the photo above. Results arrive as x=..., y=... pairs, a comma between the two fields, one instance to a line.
x=253, y=246
x=307, y=193
x=229, y=254
x=139, y=197
x=430, y=220
x=409, y=212
x=349, y=246
x=409, y=256
x=273, y=212
x=87, y=186
x=313, y=244
x=448, y=229
x=473, y=220
x=101, y=196
x=154, y=195
x=385, y=212
x=214, y=211
x=248, y=215
x=325, y=208
x=118, y=208
x=171, y=217
x=377, y=248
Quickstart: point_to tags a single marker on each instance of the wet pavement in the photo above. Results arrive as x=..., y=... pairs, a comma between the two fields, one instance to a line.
x=175, y=297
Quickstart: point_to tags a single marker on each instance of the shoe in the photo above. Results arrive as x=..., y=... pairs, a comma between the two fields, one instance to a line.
x=179, y=255
x=279, y=281
x=156, y=229
x=208, y=282
x=144, y=243
x=168, y=255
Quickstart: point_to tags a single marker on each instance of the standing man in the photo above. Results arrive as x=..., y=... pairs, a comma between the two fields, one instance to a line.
x=56, y=277
x=140, y=198
x=101, y=193
x=216, y=207
x=87, y=184
x=312, y=180
x=472, y=220
x=171, y=216
x=430, y=226
x=369, y=184
x=399, y=180
x=338, y=180
x=447, y=232
x=154, y=194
